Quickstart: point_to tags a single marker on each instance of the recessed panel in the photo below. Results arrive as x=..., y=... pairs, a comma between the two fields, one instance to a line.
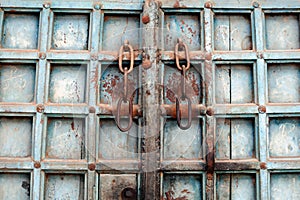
x=20, y=31
x=284, y=138
x=112, y=84
x=235, y=187
x=232, y=32
x=114, y=144
x=15, y=136
x=235, y=138
x=70, y=31
x=182, y=186
x=67, y=83
x=284, y=83
x=65, y=138
x=118, y=186
x=282, y=31
x=182, y=144
x=64, y=186
x=285, y=186
x=17, y=83
x=15, y=186
x=234, y=84
x=185, y=27
x=117, y=29
x=173, y=84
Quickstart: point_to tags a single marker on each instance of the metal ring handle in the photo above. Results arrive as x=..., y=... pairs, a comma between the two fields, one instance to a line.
x=129, y=115
x=178, y=114
x=187, y=57
x=121, y=51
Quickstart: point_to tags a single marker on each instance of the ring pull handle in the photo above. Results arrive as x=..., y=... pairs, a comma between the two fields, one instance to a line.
x=124, y=47
x=118, y=115
x=181, y=44
x=178, y=113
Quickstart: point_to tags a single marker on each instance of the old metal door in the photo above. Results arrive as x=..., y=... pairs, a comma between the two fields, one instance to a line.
x=64, y=110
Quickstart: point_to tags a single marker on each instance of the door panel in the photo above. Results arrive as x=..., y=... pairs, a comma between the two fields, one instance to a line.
x=63, y=100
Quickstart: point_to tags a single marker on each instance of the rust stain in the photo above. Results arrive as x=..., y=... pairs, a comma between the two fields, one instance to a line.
x=25, y=185
x=72, y=126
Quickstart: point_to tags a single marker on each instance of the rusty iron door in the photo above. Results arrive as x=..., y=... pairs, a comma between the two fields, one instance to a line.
x=133, y=99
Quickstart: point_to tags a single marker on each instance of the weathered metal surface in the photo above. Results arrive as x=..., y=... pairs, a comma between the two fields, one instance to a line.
x=284, y=185
x=124, y=144
x=232, y=32
x=15, y=186
x=70, y=31
x=282, y=31
x=235, y=186
x=283, y=83
x=182, y=187
x=284, y=137
x=65, y=138
x=17, y=83
x=64, y=186
x=67, y=83
x=16, y=136
x=118, y=186
x=20, y=31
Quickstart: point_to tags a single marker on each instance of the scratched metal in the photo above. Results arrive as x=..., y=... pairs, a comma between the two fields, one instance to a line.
x=15, y=186
x=70, y=32
x=20, y=31
x=172, y=84
x=232, y=32
x=67, y=83
x=184, y=26
x=112, y=84
x=234, y=84
x=235, y=139
x=117, y=29
x=235, y=187
x=284, y=137
x=19, y=140
x=17, y=83
x=182, y=187
x=64, y=186
x=65, y=138
x=175, y=145
x=112, y=186
x=284, y=186
x=282, y=31
x=114, y=144
x=284, y=83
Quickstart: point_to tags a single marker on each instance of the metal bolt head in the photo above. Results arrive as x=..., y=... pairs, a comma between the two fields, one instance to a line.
x=255, y=4
x=97, y=7
x=92, y=109
x=92, y=166
x=262, y=109
x=46, y=5
x=42, y=56
x=40, y=108
x=37, y=164
x=146, y=19
x=210, y=111
x=208, y=4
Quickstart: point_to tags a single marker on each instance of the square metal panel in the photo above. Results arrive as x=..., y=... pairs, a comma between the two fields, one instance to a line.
x=15, y=186
x=17, y=82
x=70, y=31
x=20, y=30
x=284, y=186
x=16, y=135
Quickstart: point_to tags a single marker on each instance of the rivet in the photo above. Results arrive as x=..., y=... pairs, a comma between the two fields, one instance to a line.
x=210, y=111
x=92, y=109
x=94, y=57
x=208, y=4
x=146, y=19
x=92, y=166
x=42, y=56
x=263, y=165
x=97, y=7
x=37, y=164
x=46, y=5
x=208, y=56
x=255, y=4
x=262, y=109
x=40, y=108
